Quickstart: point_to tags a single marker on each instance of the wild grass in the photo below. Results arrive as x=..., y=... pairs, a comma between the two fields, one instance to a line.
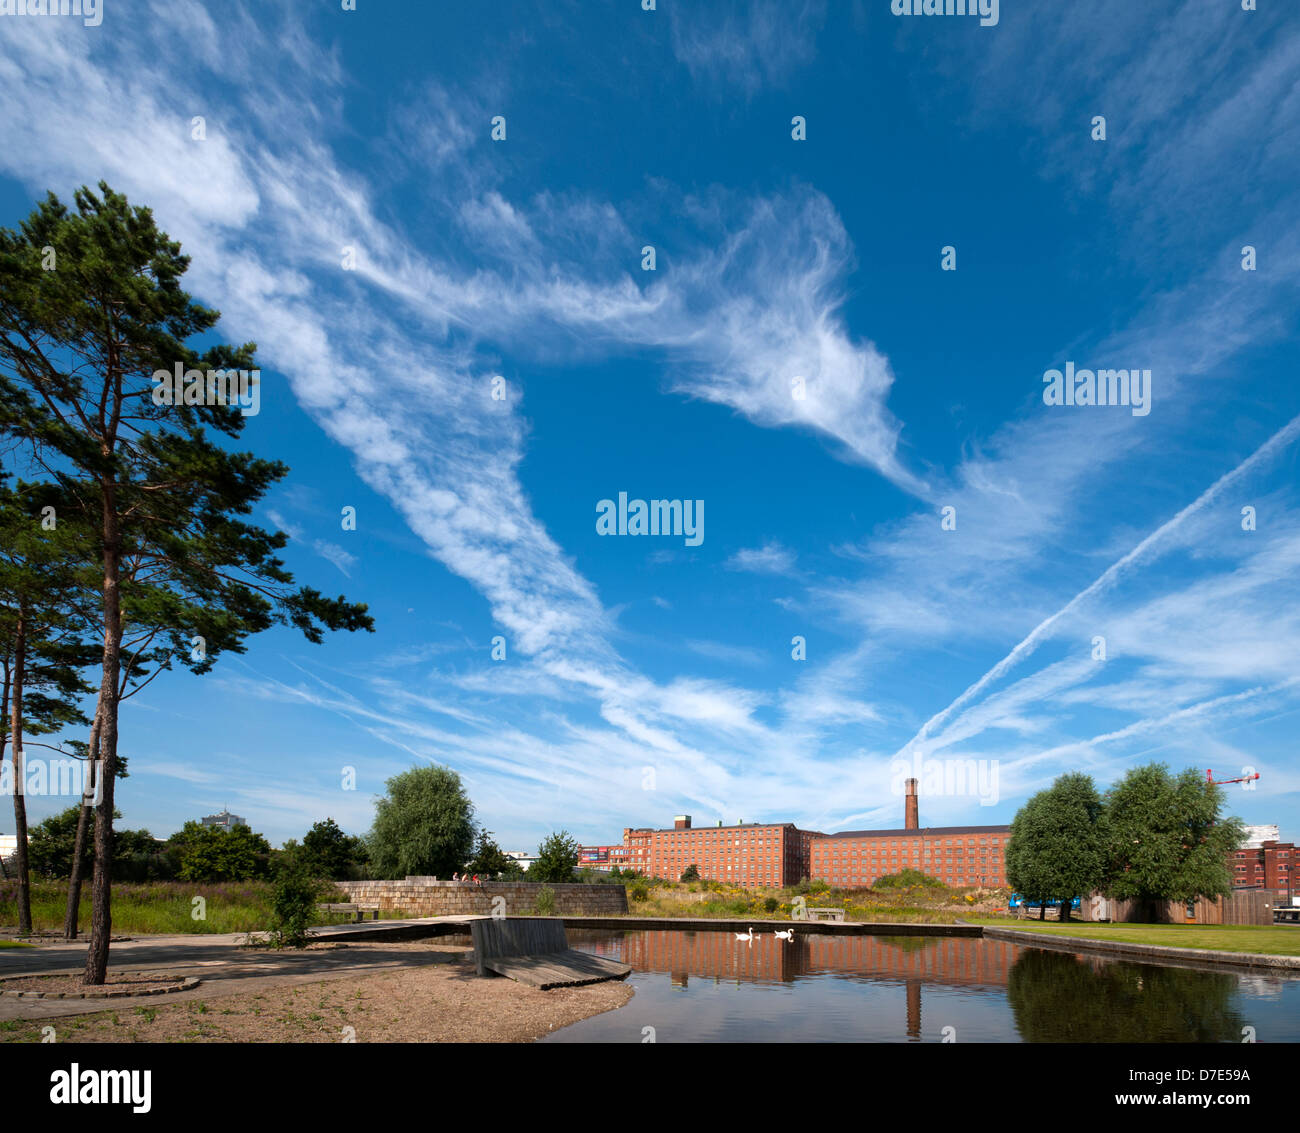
x=148, y=907
x=718, y=900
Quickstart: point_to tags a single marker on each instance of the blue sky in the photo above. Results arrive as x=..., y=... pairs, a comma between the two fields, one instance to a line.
x=644, y=677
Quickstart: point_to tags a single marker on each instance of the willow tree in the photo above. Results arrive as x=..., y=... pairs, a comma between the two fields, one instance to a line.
x=1166, y=839
x=1057, y=849
x=91, y=307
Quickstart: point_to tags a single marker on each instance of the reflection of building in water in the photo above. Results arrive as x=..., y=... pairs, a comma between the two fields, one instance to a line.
x=935, y=959
x=719, y=955
x=913, y=1009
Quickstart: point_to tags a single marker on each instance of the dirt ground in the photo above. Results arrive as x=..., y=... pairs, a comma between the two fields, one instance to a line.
x=74, y=984
x=438, y=999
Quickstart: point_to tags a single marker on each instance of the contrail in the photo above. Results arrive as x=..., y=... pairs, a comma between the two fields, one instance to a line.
x=1277, y=441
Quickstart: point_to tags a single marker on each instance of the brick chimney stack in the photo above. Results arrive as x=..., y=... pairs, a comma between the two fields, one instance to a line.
x=912, y=819
x=682, y=822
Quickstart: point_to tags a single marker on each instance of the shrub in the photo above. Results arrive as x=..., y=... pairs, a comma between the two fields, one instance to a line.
x=770, y=904
x=545, y=906
x=293, y=907
x=908, y=878
x=640, y=891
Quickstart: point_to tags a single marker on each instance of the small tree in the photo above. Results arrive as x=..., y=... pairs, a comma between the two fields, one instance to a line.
x=211, y=853
x=690, y=873
x=490, y=859
x=52, y=845
x=557, y=858
x=328, y=852
x=293, y=904
x=424, y=826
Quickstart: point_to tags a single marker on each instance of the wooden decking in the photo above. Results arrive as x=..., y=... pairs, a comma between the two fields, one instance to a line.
x=537, y=953
x=558, y=969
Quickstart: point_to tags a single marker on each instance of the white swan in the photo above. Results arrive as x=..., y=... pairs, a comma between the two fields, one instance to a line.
x=746, y=935
x=787, y=935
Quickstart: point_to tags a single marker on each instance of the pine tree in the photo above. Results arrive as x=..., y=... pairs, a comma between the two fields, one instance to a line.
x=43, y=645
x=92, y=308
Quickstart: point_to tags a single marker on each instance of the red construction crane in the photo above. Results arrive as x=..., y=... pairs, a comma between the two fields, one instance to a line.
x=1209, y=778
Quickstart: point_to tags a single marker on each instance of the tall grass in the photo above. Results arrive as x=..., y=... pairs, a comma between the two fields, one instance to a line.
x=148, y=906
x=713, y=899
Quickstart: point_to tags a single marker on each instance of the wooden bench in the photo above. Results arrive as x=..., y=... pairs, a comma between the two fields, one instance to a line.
x=1025, y=913
x=358, y=908
x=535, y=951
x=825, y=914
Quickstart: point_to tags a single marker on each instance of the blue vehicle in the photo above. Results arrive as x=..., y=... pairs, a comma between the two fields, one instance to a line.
x=1017, y=901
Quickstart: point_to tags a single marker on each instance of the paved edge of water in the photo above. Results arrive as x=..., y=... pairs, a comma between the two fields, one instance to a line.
x=1029, y=938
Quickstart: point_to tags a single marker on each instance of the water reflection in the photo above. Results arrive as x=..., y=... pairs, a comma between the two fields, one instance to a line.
x=717, y=955
x=706, y=986
x=1059, y=997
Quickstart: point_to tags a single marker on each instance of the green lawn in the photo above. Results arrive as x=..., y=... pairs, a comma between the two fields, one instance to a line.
x=13, y=944
x=1273, y=940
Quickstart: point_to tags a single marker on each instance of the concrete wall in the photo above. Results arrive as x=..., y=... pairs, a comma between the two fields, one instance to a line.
x=424, y=897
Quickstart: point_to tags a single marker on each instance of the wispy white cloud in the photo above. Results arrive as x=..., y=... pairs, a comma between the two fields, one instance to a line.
x=746, y=44
x=770, y=558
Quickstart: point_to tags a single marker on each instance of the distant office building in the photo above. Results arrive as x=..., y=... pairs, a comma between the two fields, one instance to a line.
x=605, y=858
x=523, y=857
x=225, y=820
x=8, y=845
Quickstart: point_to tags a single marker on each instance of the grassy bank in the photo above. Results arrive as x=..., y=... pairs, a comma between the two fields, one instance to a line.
x=145, y=907
x=915, y=904
x=1271, y=940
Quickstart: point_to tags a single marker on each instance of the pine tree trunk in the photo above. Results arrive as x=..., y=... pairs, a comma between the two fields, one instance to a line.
x=83, y=827
x=20, y=798
x=101, y=916
x=4, y=733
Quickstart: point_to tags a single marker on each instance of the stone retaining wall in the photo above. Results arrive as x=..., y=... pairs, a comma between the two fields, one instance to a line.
x=424, y=897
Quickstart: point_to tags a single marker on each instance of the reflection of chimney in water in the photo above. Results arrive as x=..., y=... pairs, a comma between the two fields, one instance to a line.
x=913, y=1009
x=912, y=819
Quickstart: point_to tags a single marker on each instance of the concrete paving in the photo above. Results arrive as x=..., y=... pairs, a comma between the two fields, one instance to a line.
x=224, y=962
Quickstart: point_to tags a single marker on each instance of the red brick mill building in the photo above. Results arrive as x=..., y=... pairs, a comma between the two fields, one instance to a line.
x=761, y=855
